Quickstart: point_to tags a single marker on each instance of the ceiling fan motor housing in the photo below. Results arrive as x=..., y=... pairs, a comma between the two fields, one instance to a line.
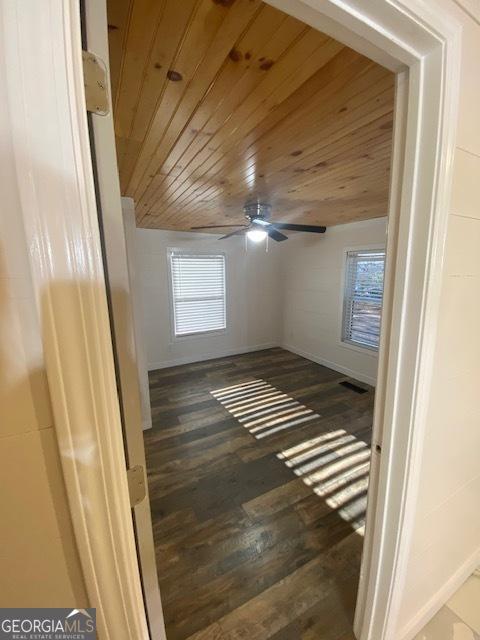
x=257, y=210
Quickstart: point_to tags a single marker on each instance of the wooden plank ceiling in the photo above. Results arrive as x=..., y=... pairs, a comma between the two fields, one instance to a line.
x=218, y=102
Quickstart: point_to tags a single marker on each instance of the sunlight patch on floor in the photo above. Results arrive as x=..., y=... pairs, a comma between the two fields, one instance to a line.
x=334, y=464
x=263, y=409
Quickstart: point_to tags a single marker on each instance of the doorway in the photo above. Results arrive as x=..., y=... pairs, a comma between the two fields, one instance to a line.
x=313, y=149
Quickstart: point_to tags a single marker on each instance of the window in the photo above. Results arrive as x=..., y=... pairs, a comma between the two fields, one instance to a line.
x=198, y=292
x=362, y=305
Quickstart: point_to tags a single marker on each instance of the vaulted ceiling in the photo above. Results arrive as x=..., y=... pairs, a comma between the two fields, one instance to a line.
x=218, y=102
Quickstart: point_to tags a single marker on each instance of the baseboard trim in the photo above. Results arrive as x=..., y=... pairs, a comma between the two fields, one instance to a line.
x=211, y=356
x=331, y=365
x=165, y=364
x=435, y=603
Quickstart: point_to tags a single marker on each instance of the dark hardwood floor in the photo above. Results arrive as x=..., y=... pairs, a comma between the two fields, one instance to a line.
x=258, y=470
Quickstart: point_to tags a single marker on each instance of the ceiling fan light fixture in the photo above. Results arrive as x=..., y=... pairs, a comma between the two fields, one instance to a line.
x=256, y=235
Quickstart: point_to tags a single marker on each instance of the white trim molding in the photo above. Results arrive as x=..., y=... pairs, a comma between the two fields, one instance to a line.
x=450, y=587
x=164, y=364
x=42, y=47
x=351, y=373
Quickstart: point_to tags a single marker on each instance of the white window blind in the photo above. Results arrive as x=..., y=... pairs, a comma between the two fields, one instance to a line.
x=362, y=306
x=198, y=292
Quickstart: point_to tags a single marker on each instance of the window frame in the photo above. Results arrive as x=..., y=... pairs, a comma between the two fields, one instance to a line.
x=350, y=344
x=197, y=334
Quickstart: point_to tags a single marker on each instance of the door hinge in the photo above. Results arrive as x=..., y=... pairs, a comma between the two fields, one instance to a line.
x=136, y=485
x=95, y=79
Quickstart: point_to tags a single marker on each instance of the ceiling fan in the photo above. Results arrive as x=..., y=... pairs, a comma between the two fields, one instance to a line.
x=259, y=226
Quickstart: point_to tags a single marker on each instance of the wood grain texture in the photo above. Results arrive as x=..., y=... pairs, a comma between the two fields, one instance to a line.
x=257, y=537
x=220, y=102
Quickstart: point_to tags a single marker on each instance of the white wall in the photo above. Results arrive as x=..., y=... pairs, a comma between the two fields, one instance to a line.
x=253, y=298
x=313, y=270
x=128, y=210
x=290, y=296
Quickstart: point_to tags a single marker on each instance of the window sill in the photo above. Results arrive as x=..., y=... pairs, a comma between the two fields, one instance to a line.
x=198, y=335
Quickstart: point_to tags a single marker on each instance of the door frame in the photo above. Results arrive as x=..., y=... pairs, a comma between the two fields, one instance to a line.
x=117, y=256
x=44, y=84
x=423, y=48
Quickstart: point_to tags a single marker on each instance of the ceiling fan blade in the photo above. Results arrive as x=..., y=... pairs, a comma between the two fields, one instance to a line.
x=270, y=229
x=309, y=228
x=260, y=221
x=233, y=233
x=219, y=226
x=276, y=235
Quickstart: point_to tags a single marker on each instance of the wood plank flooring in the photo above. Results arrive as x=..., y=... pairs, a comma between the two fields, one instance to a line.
x=258, y=537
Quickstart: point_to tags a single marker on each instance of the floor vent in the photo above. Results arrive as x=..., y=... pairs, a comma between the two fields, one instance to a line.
x=353, y=387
